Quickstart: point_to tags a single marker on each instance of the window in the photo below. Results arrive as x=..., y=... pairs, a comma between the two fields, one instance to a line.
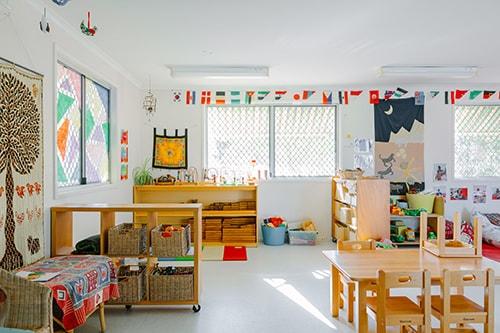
x=291, y=141
x=82, y=129
x=477, y=141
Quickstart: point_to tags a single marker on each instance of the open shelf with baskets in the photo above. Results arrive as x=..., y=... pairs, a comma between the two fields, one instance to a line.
x=144, y=282
x=225, y=207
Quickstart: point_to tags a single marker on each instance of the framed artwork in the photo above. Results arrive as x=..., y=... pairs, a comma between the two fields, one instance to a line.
x=440, y=172
x=170, y=151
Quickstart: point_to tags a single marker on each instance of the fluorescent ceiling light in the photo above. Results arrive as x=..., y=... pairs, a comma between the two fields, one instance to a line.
x=219, y=72
x=451, y=72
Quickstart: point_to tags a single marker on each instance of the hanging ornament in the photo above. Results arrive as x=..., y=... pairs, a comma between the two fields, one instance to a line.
x=60, y=2
x=149, y=103
x=44, y=24
x=87, y=29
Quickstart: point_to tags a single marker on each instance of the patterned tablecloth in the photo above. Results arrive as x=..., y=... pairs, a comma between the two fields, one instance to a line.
x=82, y=284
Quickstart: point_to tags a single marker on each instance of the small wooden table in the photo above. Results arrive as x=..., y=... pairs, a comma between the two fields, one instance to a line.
x=362, y=266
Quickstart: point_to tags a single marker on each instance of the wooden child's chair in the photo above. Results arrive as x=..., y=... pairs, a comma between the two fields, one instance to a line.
x=345, y=283
x=400, y=310
x=460, y=310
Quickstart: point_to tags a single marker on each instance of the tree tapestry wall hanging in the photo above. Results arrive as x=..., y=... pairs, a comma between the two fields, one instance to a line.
x=170, y=152
x=399, y=140
x=21, y=167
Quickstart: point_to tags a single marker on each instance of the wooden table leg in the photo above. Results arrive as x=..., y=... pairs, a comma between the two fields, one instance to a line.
x=362, y=314
x=102, y=320
x=334, y=291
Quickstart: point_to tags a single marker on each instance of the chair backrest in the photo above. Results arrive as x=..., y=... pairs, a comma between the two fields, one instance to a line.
x=29, y=303
x=468, y=278
x=355, y=245
x=398, y=280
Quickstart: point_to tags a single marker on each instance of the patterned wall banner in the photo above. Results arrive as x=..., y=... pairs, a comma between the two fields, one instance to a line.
x=124, y=155
x=21, y=167
x=399, y=140
x=170, y=151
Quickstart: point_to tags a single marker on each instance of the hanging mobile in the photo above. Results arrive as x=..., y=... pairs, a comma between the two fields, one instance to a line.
x=87, y=29
x=44, y=24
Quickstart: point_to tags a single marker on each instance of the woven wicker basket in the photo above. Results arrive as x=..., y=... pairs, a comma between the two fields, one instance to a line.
x=132, y=285
x=172, y=243
x=172, y=287
x=124, y=239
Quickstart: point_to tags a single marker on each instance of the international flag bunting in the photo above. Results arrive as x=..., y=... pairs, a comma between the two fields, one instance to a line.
x=262, y=94
x=356, y=92
x=460, y=93
x=374, y=96
x=206, y=96
x=433, y=93
x=176, y=96
x=474, y=93
x=307, y=93
x=235, y=97
x=327, y=97
x=190, y=97
x=220, y=97
x=419, y=98
x=488, y=93
x=278, y=94
x=449, y=97
x=343, y=97
x=388, y=94
x=248, y=97
x=400, y=92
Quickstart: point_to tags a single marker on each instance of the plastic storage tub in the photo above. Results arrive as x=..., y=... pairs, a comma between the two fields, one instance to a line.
x=300, y=237
x=273, y=236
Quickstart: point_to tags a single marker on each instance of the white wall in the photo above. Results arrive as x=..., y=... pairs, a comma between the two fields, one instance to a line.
x=23, y=43
x=310, y=198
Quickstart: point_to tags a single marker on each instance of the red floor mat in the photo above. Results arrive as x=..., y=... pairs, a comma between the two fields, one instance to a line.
x=491, y=252
x=232, y=253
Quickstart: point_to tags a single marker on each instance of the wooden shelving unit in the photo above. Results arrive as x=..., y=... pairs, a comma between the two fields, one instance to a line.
x=360, y=209
x=62, y=235
x=205, y=194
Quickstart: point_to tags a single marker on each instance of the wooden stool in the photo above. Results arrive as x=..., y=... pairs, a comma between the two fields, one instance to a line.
x=346, y=284
x=460, y=310
x=400, y=310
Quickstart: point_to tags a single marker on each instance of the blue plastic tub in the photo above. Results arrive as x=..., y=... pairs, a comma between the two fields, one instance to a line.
x=273, y=236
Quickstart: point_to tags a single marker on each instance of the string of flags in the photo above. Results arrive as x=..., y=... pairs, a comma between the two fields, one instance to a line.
x=325, y=97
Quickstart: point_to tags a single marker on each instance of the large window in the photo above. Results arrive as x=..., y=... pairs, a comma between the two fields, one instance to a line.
x=477, y=141
x=291, y=141
x=82, y=129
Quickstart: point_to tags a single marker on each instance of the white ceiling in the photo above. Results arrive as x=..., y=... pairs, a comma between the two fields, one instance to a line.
x=314, y=42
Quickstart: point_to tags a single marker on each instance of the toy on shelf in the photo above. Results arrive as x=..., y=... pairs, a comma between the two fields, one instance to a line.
x=450, y=248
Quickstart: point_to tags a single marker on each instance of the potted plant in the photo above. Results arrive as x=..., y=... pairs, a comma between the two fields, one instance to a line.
x=143, y=175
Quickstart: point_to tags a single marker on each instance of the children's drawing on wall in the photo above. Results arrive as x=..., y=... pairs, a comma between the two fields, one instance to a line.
x=124, y=155
x=479, y=194
x=399, y=140
x=459, y=193
x=440, y=191
x=364, y=162
x=363, y=146
x=440, y=172
x=495, y=193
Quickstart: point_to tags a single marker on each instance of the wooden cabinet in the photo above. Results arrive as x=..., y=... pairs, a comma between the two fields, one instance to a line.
x=360, y=209
x=229, y=211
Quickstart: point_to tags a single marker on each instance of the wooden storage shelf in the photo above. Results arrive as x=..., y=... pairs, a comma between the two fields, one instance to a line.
x=362, y=206
x=62, y=235
x=205, y=194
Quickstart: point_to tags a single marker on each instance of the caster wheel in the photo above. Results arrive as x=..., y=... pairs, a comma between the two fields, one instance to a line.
x=128, y=307
x=196, y=308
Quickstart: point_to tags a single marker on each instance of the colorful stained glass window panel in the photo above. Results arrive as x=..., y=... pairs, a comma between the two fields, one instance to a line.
x=96, y=132
x=69, y=94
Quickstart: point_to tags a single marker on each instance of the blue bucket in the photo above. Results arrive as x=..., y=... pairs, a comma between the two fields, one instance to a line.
x=273, y=236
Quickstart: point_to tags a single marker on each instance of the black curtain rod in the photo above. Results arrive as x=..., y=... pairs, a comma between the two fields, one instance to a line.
x=20, y=66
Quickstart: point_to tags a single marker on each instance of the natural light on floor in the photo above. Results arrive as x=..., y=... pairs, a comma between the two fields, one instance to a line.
x=321, y=274
x=293, y=294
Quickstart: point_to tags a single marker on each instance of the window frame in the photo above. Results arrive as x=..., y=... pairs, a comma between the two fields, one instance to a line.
x=73, y=64
x=272, y=142
x=453, y=144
